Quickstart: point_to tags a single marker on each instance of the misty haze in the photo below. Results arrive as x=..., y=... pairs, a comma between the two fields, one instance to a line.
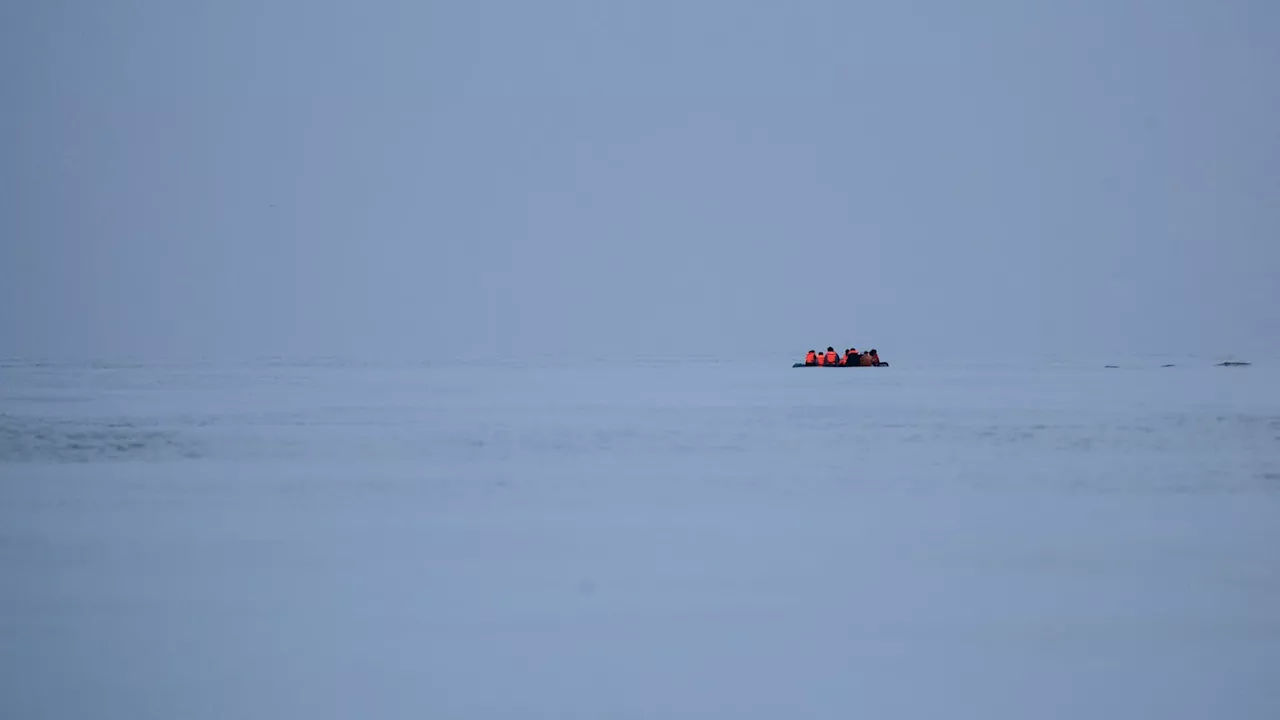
x=421, y=359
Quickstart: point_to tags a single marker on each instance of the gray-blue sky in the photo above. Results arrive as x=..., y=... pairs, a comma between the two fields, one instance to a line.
x=429, y=178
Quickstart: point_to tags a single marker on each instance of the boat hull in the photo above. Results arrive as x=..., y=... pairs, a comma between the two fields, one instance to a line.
x=802, y=365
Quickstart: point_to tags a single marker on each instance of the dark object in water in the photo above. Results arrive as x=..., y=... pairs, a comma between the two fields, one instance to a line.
x=1111, y=366
x=883, y=364
x=1170, y=365
x=1233, y=364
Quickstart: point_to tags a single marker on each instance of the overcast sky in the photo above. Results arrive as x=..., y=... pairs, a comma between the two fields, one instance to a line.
x=247, y=177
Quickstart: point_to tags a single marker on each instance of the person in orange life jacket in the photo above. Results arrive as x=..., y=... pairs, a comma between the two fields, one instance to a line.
x=832, y=357
x=844, y=359
x=850, y=357
x=875, y=357
x=811, y=358
x=822, y=358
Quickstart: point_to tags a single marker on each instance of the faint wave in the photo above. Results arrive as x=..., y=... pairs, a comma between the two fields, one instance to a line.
x=79, y=441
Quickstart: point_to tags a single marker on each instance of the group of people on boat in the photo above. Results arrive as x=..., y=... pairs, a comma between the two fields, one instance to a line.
x=871, y=358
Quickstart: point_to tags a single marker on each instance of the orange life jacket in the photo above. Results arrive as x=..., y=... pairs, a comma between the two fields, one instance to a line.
x=832, y=358
x=811, y=358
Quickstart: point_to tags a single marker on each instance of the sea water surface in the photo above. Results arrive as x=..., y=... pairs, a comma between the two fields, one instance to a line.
x=663, y=537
